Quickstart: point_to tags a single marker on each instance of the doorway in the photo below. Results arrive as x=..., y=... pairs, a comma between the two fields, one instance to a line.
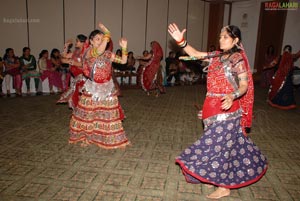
x=270, y=32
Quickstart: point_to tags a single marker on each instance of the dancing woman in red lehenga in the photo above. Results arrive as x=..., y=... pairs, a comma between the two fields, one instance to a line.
x=75, y=59
x=152, y=76
x=98, y=117
x=281, y=92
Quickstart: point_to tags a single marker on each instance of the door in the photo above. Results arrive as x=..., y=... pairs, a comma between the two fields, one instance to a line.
x=270, y=32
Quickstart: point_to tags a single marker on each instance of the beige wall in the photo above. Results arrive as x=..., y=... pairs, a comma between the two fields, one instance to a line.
x=13, y=27
x=52, y=22
x=78, y=19
x=49, y=32
x=249, y=33
x=140, y=21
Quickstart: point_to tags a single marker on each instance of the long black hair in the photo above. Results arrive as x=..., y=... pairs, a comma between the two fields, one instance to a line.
x=42, y=53
x=54, y=50
x=6, y=53
x=288, y=48
x=82, y=38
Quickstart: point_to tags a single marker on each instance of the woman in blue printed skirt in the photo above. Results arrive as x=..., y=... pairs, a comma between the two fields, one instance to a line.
x=224, y=156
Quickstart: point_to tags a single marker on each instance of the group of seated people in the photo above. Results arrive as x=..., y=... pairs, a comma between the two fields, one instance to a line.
x=179, y=72
x=15, y=69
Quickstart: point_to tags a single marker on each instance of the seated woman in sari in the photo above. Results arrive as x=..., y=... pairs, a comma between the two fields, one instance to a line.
x=47, y=70
x=1, y=76
x=224, y=156
x=12, y=69
x=281, y=92
x=30, y=70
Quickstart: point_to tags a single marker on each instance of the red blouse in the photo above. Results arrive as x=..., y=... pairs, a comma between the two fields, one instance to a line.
x=98, y=69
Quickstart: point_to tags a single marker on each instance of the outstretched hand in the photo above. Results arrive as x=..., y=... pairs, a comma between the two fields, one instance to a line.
x=102, y=27
x=175, y=32
x=123, y=42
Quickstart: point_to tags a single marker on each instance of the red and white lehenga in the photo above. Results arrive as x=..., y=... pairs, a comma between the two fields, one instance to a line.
x=98, y=116
x=71, y=95
x=151, y=78
x=224, y=156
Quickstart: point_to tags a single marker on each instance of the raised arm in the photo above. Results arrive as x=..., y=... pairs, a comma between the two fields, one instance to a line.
x=122, y=60
x=177, y=35
x=296, y=56
x=105, y=40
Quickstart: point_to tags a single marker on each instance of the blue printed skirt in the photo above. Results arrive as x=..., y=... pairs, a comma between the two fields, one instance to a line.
x=223, y=156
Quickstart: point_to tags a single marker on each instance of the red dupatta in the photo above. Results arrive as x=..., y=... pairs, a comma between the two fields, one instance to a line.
x=149, y=72
x=247, y=99
x=285, y=66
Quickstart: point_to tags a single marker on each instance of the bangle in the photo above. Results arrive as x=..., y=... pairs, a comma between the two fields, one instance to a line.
x=183, y=45
x=236, y=94
x=106, y=36
x=94, y=52
x=181, y=41
x=124, y=51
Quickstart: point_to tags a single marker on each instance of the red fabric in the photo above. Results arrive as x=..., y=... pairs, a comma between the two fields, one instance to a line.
x=102, y=71
x=214, y=105
x=110, y=46
x=78, y=56
x=218, y=83
x=75, y=96
x=247, y=99
x=151, y=69
x=75, y=71
x=285, y=66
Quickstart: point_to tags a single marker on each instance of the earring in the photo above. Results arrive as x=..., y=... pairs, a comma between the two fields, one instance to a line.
x=239, y=47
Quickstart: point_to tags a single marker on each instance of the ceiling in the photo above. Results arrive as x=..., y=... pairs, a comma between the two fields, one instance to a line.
x=230, y=1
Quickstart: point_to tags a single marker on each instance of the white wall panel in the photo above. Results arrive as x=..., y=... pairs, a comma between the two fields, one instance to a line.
x=249, y=33
x=157, y=23
x=110, y=14
x=205, y=26
x=178, y=15
x=134, y=24
x=79, y=18
x=195, y=26
x=226, y=18
x=49, y=32
x=13, y=26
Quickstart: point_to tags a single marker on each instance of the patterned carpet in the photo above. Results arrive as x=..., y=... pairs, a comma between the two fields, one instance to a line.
x=37, y=163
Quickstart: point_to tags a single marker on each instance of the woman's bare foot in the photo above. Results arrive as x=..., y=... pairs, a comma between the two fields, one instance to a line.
x=219, y=193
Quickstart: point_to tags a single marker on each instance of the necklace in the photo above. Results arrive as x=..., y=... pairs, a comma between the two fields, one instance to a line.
x=218, y=67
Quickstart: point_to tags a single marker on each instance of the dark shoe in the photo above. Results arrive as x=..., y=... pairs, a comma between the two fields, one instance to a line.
x=247, y=129
x=39, y=93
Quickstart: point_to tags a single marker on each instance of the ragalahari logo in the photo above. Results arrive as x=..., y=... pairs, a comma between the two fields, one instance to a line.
x=275, y=5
